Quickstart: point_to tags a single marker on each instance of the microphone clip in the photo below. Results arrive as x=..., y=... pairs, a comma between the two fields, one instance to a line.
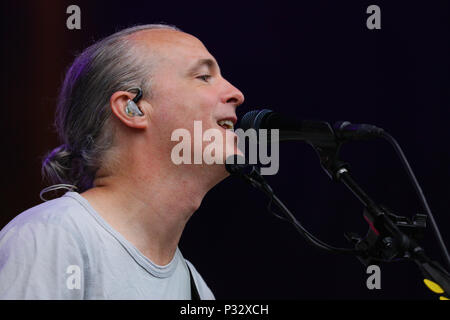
x=236, y=166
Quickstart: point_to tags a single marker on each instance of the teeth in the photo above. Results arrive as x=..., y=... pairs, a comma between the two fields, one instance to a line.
x=227, y=124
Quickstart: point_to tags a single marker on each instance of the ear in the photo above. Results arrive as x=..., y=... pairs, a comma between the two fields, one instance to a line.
x=118, y=103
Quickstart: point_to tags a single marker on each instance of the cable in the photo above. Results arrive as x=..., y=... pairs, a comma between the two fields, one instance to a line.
x=264, y=186
x=419, y=191
x=69, y=187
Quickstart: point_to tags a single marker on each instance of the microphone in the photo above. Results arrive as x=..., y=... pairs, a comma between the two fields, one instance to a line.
x=290, y=129
x=348, y=131
x=306, y=130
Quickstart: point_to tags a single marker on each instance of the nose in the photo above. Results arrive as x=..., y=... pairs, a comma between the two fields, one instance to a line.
x=232, y=95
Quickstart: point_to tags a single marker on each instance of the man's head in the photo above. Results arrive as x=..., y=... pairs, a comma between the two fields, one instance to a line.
x=181, y=82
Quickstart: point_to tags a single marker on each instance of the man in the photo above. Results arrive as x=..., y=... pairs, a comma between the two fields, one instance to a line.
x=117, y=237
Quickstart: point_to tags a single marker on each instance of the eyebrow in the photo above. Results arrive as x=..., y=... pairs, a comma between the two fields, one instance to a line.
x=209, y=63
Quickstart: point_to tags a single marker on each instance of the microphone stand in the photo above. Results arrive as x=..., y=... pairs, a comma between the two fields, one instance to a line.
x=390, y=237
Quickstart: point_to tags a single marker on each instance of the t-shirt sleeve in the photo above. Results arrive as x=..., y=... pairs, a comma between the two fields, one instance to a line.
x=40, y=260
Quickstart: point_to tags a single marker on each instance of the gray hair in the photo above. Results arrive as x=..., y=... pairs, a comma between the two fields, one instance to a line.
x=83, y=118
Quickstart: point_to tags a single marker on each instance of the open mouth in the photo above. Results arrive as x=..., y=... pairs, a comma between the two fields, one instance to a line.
x=226, y=124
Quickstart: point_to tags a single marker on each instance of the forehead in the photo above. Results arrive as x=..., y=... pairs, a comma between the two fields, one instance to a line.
x=175, y=47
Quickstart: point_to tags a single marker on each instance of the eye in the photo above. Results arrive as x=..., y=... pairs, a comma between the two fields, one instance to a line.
x=204, y=77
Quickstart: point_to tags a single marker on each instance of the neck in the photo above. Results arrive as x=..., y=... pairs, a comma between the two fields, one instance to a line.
x=150, y=210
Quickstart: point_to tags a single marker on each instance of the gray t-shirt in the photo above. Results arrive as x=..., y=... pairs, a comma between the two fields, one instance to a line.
x=63, y=249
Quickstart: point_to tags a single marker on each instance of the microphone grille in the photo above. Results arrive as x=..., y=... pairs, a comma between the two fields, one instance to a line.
x=252, y=119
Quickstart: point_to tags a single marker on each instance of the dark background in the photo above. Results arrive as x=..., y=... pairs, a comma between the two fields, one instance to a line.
x=311, y=60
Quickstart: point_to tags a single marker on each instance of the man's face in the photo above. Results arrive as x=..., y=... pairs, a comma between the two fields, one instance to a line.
x=187, y=86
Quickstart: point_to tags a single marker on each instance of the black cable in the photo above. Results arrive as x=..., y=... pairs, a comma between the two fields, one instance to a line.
x=419, y=191
x=263, y=186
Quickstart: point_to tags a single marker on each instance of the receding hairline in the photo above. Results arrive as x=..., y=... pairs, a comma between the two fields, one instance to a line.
x=141, y=32
x=155, y=41
x=158, y=37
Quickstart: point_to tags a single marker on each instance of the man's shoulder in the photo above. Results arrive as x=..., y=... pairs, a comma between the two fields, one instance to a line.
x=38, y=248
x=63, y=213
